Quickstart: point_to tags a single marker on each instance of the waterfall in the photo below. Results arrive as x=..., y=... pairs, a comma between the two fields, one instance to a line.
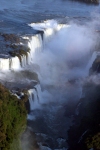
x=34, y=97
x=23, y=60
x=50, y=32
x=93, y=57
x=15, y=63
x=60, y=26
x=49, y=27
x=28, y=58
x=39, y=92
x=9, y=63
x=35, y=45
x=4, y=64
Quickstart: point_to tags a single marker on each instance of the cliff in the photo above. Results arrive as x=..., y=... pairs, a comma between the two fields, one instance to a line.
x=12, y=117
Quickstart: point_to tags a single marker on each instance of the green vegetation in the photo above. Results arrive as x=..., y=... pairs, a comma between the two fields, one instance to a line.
x=12, y=117
x=93, y=141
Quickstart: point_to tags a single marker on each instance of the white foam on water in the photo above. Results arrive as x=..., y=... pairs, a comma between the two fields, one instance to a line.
x=45, y=25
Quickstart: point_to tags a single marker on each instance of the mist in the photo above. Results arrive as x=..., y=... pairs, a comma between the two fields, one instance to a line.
x=67, y=53
x=64, y=62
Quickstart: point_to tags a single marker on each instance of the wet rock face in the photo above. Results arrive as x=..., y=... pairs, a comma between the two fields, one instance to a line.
x=86, y=123
x=11, y=37
x=95, y=66
x=13, y=44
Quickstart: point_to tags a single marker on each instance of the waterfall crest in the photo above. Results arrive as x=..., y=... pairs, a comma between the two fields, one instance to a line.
x=35, y=43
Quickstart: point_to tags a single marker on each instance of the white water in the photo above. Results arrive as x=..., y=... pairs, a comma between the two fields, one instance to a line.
x=4, y=64
x=49, y=27
x=13, y=63
x=35, y=45
x=9, y=63
x=23, y=61
x=93, y=57
x=35, y=97
x=67, y=55
x=45, y=25
x=64, y=61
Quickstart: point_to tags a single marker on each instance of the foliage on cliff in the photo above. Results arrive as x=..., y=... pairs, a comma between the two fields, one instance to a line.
x=12, y=117
x=93, y=141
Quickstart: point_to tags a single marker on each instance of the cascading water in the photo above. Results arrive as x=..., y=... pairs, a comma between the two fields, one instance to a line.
x=15, y=63
x=49, y=27
x=9, y=63
x=23, y=61
x=93, y=57
x=34, y=97
x=35, y=45
x=53, y=72
x=64, y=63
x=4, y=64
x=64, y=57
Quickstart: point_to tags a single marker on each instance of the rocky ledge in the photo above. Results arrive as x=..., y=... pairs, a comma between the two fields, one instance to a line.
x=13, y=45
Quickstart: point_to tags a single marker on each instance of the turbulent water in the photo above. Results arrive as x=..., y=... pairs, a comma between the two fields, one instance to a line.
x=61, y=56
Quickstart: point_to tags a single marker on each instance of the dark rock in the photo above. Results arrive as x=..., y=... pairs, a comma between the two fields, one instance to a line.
x=11, y=37
x=87, y=122
x=95, y=66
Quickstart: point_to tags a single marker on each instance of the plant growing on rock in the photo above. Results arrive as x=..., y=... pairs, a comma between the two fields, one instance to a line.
x=12, y=117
